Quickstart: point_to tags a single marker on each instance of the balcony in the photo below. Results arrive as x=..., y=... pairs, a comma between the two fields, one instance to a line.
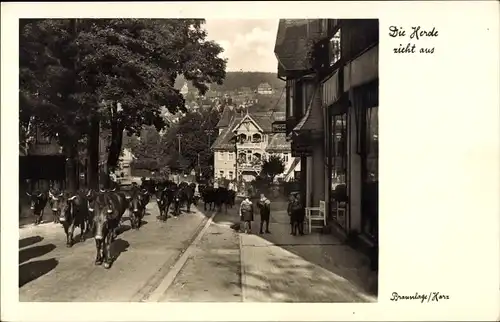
x=250, y=145
x=249, y=166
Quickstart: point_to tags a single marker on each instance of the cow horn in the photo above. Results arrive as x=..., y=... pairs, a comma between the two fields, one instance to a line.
x=102, y=190
x=88, y=193
x=72, y=198
x=114, y=189
x=50, y=194
x=61, y=194
x=39, y=195
x=28, y=194
x=128, y=197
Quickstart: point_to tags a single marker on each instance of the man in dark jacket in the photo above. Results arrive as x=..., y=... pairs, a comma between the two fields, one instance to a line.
x=265, y=212
x=296, y=213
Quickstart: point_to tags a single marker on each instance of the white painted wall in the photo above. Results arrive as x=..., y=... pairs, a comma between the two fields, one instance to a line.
x=224, y=162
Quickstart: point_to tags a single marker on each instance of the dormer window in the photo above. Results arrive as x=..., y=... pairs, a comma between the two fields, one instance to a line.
x=242, y=138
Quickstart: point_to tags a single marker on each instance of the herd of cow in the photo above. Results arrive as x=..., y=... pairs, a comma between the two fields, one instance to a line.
x=100, y=213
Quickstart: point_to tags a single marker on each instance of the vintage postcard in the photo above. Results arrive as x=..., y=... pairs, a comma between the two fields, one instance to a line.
x=221, y=161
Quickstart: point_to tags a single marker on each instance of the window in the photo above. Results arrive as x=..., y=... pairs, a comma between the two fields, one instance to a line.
x=285, y=157
x=257, y=157
x=231, y=175
x=230, y=156
x=221, y=156
x=372, y=144
x=242, y=138
x=256, y=138
x=305, y=103
x=242, y=157
x=41, y=138
x=338, y=149
x=335, y=48
x=291, y=97
x=221, y=173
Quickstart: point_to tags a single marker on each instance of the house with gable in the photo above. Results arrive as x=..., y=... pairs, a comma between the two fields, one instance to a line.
x=265, y=89
x=245, y=140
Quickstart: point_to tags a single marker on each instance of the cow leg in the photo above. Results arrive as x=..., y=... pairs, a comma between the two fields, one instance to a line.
x=107, y=251
x=71, y=231
x=188, y=206
x=99, y=251
x=82, y=230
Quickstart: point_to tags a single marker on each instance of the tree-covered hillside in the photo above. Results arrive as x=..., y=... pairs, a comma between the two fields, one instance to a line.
x=238, y=80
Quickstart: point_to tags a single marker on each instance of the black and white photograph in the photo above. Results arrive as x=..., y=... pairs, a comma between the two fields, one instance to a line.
x=204, y=160
x=220, y=161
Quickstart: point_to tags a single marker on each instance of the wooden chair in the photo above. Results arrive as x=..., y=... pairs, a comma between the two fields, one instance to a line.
x=321, y=215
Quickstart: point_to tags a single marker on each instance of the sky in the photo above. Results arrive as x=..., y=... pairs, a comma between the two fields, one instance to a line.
x=248, y=43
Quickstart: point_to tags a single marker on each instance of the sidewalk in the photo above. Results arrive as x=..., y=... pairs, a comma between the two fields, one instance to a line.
x=311, y=268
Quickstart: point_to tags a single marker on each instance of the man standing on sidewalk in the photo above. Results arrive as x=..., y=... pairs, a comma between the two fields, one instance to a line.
x=265, y=212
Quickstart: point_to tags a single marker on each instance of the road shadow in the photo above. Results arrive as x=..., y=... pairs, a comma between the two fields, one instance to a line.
x=143, y=222
x=147, y=214
x=28, y=241
x=119, y=246
x=36, y=251
x=31, y=271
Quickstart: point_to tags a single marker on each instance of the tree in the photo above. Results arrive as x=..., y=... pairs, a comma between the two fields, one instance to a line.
x=149, y=150
x=80, y=75
x=272, y=167
x=195, y=144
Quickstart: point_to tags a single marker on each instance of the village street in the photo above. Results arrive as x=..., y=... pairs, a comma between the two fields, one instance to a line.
x=196, y=257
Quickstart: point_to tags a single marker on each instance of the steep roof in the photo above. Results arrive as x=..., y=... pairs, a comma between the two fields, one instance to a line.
x=227, y=114
x=223, y=141
x=263, y=120
x=292, y=43
x=264, y=85
x=278, y=143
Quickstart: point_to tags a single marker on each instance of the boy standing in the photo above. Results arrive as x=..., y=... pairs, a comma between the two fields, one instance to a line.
x=265, y=212
x=246, y=213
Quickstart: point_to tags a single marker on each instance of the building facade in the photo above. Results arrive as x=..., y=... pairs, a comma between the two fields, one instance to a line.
x=331, y=70
x=244, y=141
x=265, y=89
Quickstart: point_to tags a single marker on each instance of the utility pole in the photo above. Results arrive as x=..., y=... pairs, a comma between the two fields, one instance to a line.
x=179, y=137
x=209, y=133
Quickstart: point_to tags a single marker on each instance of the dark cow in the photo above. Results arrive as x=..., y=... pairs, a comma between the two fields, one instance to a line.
x=38, y=201
x=187, y=194
x=231, y=198
x=208, y=196
x=74, y=213
x=55, y=204
x=223, y=196
x=178, y=197
x=137, y=207
x=108, y=211
x=165, y=195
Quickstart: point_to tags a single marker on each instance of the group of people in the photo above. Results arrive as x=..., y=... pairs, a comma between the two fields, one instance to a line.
x=295, y=212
